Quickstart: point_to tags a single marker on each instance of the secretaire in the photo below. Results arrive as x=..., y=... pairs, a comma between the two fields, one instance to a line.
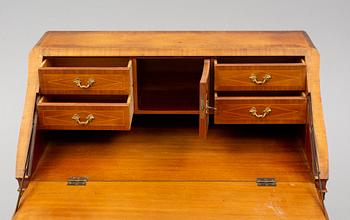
x=172, y=125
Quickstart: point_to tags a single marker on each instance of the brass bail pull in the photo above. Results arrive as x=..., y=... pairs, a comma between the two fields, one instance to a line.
x=254, y=78
x=89, y=118
x=266, y=111
x=89, y=84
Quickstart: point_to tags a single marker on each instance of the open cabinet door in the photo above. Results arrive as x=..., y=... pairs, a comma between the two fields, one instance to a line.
x=204, y=90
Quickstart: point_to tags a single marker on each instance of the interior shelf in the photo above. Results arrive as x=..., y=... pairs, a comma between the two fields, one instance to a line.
x=169, y=84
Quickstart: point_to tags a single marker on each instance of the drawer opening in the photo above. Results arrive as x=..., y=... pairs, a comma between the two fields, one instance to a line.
x=261, y=59
x=104, y=62
x=85, y=99
x=169, y=84
x=259, y=93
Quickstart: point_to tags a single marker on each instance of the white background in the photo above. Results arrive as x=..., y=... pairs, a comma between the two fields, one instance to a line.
x=327, y=22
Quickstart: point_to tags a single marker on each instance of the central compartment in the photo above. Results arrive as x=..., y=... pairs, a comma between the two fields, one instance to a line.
x=169, y=84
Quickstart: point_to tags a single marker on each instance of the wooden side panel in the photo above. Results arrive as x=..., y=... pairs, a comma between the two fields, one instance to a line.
x=35, y=58
x=284, y=110
x=107, y=81
x=313, y=83
x=170, y=200
x=236, y=77
x=204, y=88
x=134, y=83
x=107, y=116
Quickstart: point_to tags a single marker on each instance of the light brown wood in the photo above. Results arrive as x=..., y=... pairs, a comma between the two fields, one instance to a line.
x=236, y=76
x=173, y=43
x=204, y=96
x=107, y=116
x=34, y=61
x=112, y=76
x=313, y=80
x=236, y=110
x=85, y=62
x=170, y=200
x=169, y=148
x=173, y=166
x=167, y=70
x=134, y=85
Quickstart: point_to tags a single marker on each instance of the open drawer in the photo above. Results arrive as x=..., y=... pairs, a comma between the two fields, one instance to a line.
x=260, y=74
x=260, y=109
x=55, y=114
x=85, y=75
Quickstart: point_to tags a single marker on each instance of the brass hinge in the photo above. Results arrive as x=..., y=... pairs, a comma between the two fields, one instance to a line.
x=205, y=108
x=77, y=181
x=266, y=182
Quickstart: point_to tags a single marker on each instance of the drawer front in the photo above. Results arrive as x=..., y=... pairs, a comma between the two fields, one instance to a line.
x=259, y=77
x=85, y=81
x=85, y=116
x=260, y=110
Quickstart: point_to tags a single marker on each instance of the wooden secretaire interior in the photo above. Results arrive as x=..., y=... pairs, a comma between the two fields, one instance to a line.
x=172, y=125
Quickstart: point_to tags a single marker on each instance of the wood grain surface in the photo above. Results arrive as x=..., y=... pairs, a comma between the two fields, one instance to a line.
x=204, y=96
x=107, y=116
x=201, y=44
x=284, y=110
x=313, y=81
x=107, y=80
x=168, y=148
x=284, y=76
x=174, y=43
x=161, y=169
x=170, y=200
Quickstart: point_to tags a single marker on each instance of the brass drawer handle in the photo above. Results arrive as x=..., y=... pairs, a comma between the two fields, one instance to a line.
x=254, y=79
x=90, y=82
x=266, y=111
x=89, y=118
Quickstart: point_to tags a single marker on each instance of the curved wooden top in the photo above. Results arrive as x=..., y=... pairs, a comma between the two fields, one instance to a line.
x=175, y=43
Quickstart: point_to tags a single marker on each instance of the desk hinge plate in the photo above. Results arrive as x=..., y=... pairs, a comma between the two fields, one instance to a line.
x=266, y=182
x=77, y=181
